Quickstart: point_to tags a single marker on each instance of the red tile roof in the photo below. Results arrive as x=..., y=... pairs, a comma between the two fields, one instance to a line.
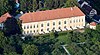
x=51, y=14
x=93, y=23
x=4, y=17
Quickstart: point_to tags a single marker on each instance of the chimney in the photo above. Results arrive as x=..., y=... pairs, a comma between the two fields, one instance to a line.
x=16, y=1
x=71, y=8
x=29, y=12
x=21, y=12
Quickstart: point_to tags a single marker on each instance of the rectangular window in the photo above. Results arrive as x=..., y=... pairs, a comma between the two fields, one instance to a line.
x=82, y=20
x=41, y=30
x=24, y=27
x=41, y=25
x=74, y=21
x=34, y=26
x=27, y=27
x=64, y=27
x=30, y=26
x=70, y=21
x=30, y=31
x=64, y=22
x=34, y=31
x=47, y=24
x=47, y=29
x=37, y=31
x=79, y=20
x=37, y=26
x=59, y=27
x=53, y=23
x=53, y=28
x=59, y=23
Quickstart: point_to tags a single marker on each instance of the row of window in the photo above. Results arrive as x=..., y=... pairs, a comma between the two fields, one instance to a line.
x=75, y=21
x=48, y=24
x=48, y=29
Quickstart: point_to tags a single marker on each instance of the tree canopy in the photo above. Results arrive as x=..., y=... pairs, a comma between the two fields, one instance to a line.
x=34, y=5
x=50, y=44
x=30, y=50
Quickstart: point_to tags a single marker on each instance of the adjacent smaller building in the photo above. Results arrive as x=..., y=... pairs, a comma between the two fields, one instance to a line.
x=93, y=25
x=3, y=18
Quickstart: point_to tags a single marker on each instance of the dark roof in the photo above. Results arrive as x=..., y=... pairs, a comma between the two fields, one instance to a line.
x=80, y=2
x=96, y=17
x=87, y=8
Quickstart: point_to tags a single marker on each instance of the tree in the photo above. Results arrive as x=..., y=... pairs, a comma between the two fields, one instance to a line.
x=98, y=27
x=46, y=53
x=71, y=3
x=31, y=50
x=3, y=40
x=61, y=3
x=48, y=4
x=8, y=48
x=23, y=5
x=4, y=7
x=56, y=3
x=29, y=5
x=95, y=4
x=11, y=53
x=12, y=26
x=35, y=5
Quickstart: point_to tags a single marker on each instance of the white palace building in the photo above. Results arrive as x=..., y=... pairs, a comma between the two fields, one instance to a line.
x=61, y=19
